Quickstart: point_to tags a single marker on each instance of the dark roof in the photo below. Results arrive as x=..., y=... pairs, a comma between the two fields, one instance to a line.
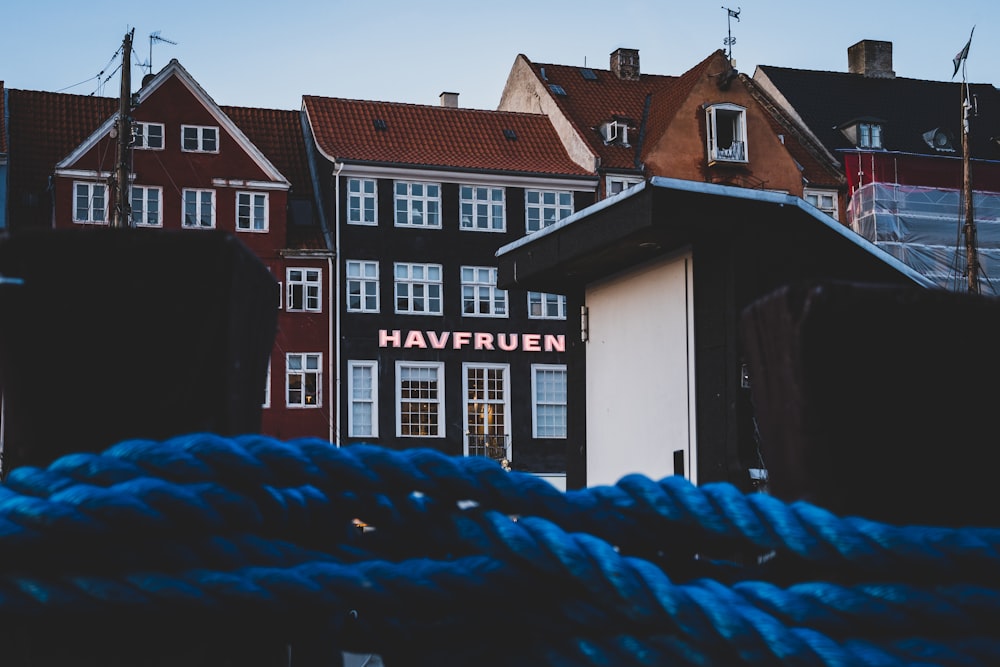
x=906, y=107
x=435, y=136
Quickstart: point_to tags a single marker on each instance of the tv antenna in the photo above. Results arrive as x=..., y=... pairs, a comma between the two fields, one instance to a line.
x=730, y=40
x=155, y=37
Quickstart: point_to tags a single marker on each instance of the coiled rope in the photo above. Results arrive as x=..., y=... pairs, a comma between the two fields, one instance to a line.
x=428, y=559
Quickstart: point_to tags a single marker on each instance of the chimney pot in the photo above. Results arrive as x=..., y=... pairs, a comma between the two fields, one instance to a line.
x=625, y=64
x=449, y=100
x=871, y=58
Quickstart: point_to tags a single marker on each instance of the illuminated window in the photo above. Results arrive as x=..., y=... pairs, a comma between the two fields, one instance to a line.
x=487, y=405
x=420, y=399
x=303, y=376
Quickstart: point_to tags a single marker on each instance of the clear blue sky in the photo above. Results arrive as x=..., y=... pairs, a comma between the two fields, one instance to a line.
x=269, y=54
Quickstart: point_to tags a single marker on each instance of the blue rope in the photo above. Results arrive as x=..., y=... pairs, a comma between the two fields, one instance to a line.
x=604, y=575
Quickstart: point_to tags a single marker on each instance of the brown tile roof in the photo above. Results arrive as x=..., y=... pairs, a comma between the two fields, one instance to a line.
x=434, y=136
x=589, y=104
x=45, y=128
x=278, y=134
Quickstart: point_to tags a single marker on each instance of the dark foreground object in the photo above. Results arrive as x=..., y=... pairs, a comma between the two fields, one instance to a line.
x=879, y=401
x=111, y=334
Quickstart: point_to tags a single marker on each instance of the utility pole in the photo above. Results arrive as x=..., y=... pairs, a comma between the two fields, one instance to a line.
x=121, y=212
x=971, y=251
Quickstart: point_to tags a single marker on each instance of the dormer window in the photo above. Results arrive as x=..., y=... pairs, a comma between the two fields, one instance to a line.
x=615, y=132
x=864, y=133
x=727, y=131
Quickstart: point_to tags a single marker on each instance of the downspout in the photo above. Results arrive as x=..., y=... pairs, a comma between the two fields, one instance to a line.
x=335, y=299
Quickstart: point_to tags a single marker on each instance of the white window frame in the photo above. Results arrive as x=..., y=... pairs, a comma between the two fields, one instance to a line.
x=146, y=215
x=205, y=138
x=362, y=284
x=479, y=291
x=482, y=208
x=616, y=184
x=364, y=396
x=536, y=401
x=816, y=197
x=92, y=192
x=201, y=198
x=869, y=135
x=310, y=364
x=142, y=137
x=732, y=118
x=304, y=292
x=545, y=301
x=362, y=201
x=247, y=205
x=543, y=208
x=420, y=288
x=267, y=387
x=436, y=400
x=616, y=132
x=411, y=197
x=487, y=415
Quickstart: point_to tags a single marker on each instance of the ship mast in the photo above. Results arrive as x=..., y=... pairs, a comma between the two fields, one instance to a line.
x=121, y=211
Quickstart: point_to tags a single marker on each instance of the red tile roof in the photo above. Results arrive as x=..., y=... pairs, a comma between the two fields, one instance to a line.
x=434, y=136
x=278, y=134
x=589, y=103
x=666, y=102
x=45, y=128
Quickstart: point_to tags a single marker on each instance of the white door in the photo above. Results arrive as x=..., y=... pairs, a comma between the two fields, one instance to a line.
x=640, y=373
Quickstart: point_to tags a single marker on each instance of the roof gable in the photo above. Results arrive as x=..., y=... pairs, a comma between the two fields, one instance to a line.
x=175, y=71
x=430, y=136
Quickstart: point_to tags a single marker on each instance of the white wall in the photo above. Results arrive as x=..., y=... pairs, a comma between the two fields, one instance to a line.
x=640, y=372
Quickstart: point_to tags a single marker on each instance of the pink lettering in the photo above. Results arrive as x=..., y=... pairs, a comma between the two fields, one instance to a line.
x=507, y=342
x=460, y=338
x=415, y=339
x=555, y=343
x=484, y=341
x=386, y=339
x=531, y=342
x=438, y=342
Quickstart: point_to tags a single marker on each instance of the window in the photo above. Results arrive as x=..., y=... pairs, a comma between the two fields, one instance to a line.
x=727, y=131
x=869, y=135
x=487, y=404
x=824, y=200
x=419, y=399
x=480, y=296
x=304, y=289
x=543, y=306
x=148, y=135
x=90, y=202
x=362, y=201
x=303, y=378
x=362, y=287
x=251, y=211
x=199, y=139
x=267, y=387
x=482, y=208
x=615, y=132
x=362, y=420
x=616, y=184
x=418, y=288
x=146, y=206
x=418, y=204
x=199, y=209
x=548, y=401
x=546, y=207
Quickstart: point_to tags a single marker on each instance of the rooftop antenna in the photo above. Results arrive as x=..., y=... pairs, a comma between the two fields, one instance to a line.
x=730, y=40
x=155, y=37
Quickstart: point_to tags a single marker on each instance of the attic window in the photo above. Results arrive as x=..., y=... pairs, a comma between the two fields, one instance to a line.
x=379, y=124
x=557, y=89
x=615, y=132
x=510, y=134
x=727, y=131
x=588, y=74
x=869, y=135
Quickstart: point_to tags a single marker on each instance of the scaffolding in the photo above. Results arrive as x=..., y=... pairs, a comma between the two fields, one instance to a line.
x=922, y=227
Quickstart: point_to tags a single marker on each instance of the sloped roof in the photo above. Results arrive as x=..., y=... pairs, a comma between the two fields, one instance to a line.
x=435, y=136
x=45, y=128
x=278, y=134
x=590, y=102
x=906, y=107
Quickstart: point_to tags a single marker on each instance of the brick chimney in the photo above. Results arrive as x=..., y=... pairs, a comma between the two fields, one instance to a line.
x=625, y=64
x=449, y=100
x=871, y=58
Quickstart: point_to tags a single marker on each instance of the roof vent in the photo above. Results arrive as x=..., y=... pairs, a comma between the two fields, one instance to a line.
x=449, y=100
